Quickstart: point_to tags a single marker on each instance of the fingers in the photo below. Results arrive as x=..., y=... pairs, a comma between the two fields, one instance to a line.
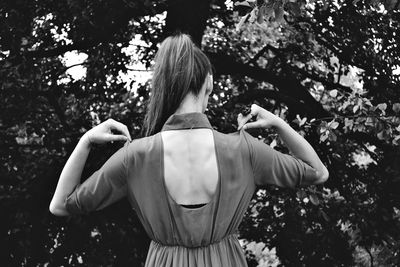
x=255, y=124
x=114, y=137
x=115, y=125
x=243, y=119
x=254, y=109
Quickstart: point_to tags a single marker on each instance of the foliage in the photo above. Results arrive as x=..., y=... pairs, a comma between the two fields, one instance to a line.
x=275, y=10
x=358, y=137
x=329, y=68
x=260, y=254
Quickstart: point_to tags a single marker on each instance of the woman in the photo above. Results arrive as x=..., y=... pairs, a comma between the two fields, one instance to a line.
x=189, y=184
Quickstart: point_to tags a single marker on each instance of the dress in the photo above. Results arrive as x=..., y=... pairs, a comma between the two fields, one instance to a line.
x=180, y=236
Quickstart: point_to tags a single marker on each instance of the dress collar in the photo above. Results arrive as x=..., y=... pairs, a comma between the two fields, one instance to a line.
x=191, y=120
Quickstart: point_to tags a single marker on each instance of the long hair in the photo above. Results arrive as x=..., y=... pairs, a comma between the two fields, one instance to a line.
x=180, y=67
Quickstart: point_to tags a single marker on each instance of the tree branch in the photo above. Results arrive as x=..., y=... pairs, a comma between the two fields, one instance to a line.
x=189, y=16
x=370, y=255
x=311, y=74
x=286, y=84
x=99, y=36
x=258, y=55
x=397, y=6
x=320, y=79
x=294, y=105
x=142, y=70
x=69, y=67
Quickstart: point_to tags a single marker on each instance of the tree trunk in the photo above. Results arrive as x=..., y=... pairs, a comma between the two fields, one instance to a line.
x=187, y=16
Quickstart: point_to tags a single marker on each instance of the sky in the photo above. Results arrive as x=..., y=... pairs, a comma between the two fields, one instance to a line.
x=138, y=74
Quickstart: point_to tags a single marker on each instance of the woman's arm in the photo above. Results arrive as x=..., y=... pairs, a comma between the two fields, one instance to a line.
x=294, y=141
x=302, y=150
x=72, y=171
x=70, y=176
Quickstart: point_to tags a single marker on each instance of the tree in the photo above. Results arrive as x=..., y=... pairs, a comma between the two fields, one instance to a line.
x=328, y=68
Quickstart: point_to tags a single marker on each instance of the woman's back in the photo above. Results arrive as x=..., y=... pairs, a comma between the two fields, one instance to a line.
x=190, y=165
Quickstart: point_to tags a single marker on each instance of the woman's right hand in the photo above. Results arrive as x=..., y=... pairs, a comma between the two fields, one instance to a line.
x=102, y=134
x=264, y=118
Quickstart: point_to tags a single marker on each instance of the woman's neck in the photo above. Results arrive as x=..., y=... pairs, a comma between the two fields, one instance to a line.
x=190, y=104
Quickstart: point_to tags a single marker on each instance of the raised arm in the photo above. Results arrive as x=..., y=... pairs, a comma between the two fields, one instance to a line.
x=300, y=148
x=71, y=174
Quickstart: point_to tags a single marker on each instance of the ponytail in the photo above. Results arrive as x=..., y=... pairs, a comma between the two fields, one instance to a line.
x=180, y=67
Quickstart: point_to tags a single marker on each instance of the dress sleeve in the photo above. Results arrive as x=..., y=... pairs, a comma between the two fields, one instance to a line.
x=273, y=167
x=104, y=187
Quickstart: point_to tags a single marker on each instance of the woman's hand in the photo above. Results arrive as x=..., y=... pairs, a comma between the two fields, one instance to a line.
x=102, y=134
x=264, y=118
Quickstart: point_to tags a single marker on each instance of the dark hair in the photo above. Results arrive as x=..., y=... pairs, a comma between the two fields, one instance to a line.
x=180, y=67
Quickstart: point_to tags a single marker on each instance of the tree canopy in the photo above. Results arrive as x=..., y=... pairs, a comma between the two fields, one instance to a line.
x=329, y=68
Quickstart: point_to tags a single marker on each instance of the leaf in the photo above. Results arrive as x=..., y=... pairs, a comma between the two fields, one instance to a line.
x=380, y=126
x=278, y=13
x=253, y=15
x=273, y=143
x=294, y=7
x=380, y=135
x=314, y=199
x=243, y=3
x=348, y=123
x=24, y=41
x=396, y=140
x=241, y=22
x=333, y=93
x=323, y=137
x=369, y=121
x=332, y=137
x=303, y=121
x=260, y=14
x=323, y=126
x=334, y=125
x=268, y=12
x=390, y=4
x=345, y=105
x=396, y=107
x=382, y=106
x=355, y=108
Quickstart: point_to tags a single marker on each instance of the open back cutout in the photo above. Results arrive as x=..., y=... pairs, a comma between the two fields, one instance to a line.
x=190, y=165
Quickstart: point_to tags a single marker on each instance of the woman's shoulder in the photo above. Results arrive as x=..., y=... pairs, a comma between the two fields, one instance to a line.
x=142, y=144
x=236, y=139
x=233, y=136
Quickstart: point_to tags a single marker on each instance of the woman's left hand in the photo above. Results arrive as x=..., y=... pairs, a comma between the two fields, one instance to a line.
x=102, y=134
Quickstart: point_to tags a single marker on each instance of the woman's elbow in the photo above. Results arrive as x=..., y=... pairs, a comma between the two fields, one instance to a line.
x=57, y=210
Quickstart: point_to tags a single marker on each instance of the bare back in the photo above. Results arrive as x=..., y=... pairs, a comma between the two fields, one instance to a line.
x=190, y=165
